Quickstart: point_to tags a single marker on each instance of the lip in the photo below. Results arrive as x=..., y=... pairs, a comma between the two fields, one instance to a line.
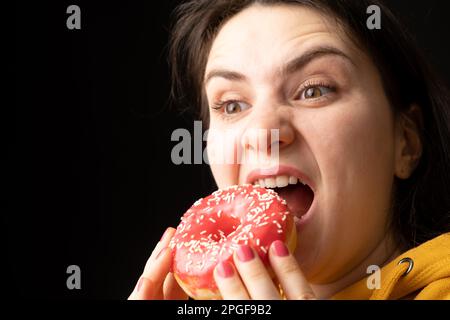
x=289, y=171
x=281, y=170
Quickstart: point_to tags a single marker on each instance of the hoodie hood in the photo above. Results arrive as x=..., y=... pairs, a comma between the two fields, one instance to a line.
x=420, y=273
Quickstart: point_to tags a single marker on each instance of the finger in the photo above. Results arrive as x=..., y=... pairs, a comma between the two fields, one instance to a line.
x=288, y=272
x=141, y=286
x=172, y=290
x=257, y=280
x=229, y=283
x=149, y=285
x=164, y=242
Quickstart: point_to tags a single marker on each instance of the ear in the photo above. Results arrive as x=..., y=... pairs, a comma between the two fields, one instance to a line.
x=408, y=142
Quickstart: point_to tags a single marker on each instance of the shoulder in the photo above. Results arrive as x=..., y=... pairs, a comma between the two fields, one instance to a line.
x=436, y=290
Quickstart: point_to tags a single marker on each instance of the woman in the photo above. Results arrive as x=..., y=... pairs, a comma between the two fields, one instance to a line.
x=357, y=112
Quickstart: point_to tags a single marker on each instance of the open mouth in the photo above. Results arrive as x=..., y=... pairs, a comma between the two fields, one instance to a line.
x=298, y=195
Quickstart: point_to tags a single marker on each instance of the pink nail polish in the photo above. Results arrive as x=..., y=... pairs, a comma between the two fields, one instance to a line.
x=245, y=253
x=280, y=249
x=225, y=269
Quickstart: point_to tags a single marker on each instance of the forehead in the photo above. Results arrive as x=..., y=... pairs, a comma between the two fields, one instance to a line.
x=262, y=37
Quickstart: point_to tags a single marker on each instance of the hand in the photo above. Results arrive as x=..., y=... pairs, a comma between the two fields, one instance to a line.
x=157, y=282
x=256, y=282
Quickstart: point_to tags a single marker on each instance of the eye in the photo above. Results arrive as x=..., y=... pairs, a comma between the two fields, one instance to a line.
x=234, y=107
x=231, y=106
x=315, y=92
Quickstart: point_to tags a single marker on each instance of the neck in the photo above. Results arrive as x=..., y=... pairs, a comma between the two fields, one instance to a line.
x=383, y=253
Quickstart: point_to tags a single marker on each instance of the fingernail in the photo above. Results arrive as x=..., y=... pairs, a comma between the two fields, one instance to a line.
x=138, y=287
x=160, y=253
x=245, y=253
x=225, y=269
x=307, y=296
x=164, y=234
x=280, y=249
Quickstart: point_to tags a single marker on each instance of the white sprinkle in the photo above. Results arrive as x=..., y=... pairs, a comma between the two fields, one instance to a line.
x=257, y=220
x=263, y=249
x=203, y=232
x=262, y=224
x=280, y=231
x=219, y=213
x=184, y=235
x=188, y=264
x=212, y=220
x=257, y=241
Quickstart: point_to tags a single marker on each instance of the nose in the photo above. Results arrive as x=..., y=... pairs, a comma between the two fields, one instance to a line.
x=269, y=131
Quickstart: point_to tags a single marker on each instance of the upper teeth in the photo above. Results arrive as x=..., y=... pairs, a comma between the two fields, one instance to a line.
x=277, y=182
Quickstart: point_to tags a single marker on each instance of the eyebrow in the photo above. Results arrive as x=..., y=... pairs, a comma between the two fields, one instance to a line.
x=290, y=67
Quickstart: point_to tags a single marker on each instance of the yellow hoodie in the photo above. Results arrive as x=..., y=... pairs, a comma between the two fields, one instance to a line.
x=428, y=276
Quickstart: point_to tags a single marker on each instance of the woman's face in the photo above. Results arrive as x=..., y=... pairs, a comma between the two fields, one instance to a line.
x=290, y=68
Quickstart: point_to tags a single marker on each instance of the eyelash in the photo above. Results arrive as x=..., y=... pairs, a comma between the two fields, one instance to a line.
x=314, y=84
x=219, y=105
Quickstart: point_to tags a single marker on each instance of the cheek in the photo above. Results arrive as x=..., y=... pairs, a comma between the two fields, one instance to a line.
x=356, y=144
x=221, y=149
x=355, y=157
x=353, y=146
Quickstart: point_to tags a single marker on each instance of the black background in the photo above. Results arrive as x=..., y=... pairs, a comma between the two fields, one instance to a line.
x=89, y=177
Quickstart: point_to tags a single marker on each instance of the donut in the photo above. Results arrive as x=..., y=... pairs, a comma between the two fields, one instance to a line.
x=214, y=227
